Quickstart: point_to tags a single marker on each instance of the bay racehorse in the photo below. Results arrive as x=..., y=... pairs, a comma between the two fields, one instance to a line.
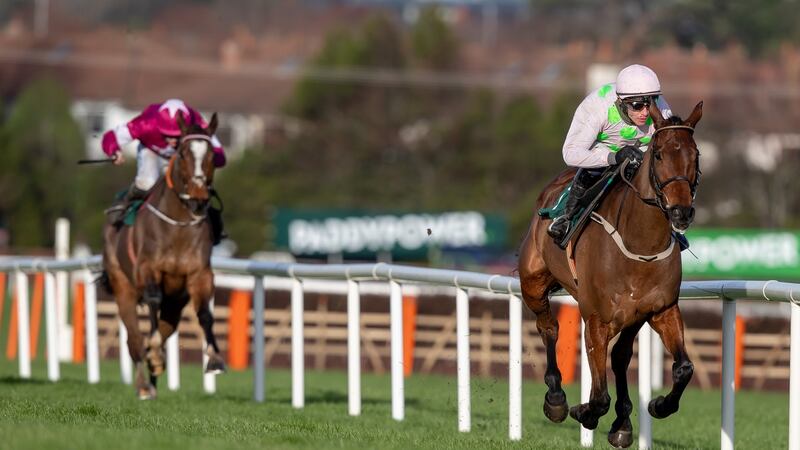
x=624, y=270
x=164, y=259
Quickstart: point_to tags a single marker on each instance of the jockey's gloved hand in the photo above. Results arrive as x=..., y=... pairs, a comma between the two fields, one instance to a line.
x=630, y=153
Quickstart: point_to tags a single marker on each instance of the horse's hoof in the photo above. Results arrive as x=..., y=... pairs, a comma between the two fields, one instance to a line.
x=147, y=393
x=556, y=413
x=590, y=423
x=656, y=404
x=215, y=366
x=620, y=438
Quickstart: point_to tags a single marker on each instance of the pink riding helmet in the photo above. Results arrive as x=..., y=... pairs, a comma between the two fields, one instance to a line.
x=168, y=116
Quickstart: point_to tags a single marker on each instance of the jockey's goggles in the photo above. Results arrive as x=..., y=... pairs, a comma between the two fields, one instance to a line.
x=637, y=105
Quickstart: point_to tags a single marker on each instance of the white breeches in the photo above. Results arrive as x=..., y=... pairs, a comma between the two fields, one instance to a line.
x=149, y=168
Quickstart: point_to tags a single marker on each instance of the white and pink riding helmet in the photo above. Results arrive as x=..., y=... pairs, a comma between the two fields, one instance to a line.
x=168, y=112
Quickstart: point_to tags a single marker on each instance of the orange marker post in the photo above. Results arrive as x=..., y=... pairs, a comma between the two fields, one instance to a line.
x=569, y=335
x=239, y=329
x=78, y=327
x=409, y=330
x=741, y=327
x=11, y=348
x=36, y=312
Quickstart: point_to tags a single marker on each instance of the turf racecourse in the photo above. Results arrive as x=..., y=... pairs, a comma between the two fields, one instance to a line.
x=37, y=414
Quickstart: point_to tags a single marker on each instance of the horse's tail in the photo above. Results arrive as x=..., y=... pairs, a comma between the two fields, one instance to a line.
x=104, y=281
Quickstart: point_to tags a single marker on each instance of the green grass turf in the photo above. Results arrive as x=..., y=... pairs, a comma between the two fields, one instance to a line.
x=37, y=414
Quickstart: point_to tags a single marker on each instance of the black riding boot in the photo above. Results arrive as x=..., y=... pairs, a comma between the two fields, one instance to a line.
x=217, y=226
x=560, y=226
x=116, y=213
x=215, y=220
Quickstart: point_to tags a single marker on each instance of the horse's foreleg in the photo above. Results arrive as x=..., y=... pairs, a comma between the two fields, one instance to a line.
x=596, y=340
x=621, y=433
x=534, y=292
x=126, y=303
x=152, y=296
x=200, y=290
x=669, y=325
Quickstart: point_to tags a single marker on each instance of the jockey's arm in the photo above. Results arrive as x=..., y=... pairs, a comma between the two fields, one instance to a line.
x=581, y=148
x=123, y=134
x=664, y=107
x=219, y=152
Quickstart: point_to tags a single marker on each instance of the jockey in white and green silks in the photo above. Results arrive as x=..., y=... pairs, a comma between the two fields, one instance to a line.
x=611, y=124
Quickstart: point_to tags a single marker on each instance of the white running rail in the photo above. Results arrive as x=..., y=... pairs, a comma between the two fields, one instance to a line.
x=350, y=276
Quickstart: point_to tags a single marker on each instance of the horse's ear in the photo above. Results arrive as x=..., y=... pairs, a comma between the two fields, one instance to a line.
x=655, y=113
x=182, y=124
x=212, y=125
x=696, y=114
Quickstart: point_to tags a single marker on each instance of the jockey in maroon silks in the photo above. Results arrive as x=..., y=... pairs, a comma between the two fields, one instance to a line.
x=158, y=133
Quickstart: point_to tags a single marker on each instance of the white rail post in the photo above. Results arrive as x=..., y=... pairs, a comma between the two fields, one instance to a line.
x=463, y=365
x=298, y=352
x=173, y=361
x=794, y=379
x=92, y=346
x=514, y=368
x=587, y=435
x=258, y=338
x=396, y=318
x=728, y=362
x=64, y=329
x=645, y=378
x=353, y=348
x=125, y=361
x=23, y=325
x=209, y=379
x=657, y=349
x=53, y=369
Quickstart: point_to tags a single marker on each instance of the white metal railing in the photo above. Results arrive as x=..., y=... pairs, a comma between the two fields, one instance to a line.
x=396, y=275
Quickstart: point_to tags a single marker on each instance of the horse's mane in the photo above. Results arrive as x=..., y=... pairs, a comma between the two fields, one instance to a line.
x=674, y=120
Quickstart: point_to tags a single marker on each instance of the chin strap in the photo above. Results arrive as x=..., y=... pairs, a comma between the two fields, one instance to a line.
x=630, y=255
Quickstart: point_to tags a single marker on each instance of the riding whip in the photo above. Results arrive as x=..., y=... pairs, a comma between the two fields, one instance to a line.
x=96, y=161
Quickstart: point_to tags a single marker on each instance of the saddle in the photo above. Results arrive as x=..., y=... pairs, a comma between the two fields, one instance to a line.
x=587, y=203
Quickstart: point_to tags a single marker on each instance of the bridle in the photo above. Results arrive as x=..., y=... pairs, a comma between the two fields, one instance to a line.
x=182, y=194
x=660, y=199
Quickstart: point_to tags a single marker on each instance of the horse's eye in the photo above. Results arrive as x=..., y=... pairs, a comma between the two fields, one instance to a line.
x=657, y=155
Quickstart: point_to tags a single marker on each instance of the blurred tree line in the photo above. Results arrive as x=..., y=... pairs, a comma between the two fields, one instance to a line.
x=39, y=180
x=358, y=145
x=412, y=148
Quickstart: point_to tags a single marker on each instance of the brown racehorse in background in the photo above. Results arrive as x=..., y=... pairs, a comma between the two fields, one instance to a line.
x=164, y=259
x=617, y=294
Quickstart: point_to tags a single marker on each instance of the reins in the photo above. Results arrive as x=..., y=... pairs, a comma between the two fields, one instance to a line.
x=657, y=185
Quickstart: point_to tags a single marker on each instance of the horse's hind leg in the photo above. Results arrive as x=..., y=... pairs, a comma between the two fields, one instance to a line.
x=621, y=433
x=170, y=316
x=535, y=288
x=155, y=345
x=669, y=325
x=596, y=339
x=200, y=288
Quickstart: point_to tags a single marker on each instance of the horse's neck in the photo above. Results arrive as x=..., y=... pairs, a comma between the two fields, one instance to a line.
x=643, y=227
x=167, y=201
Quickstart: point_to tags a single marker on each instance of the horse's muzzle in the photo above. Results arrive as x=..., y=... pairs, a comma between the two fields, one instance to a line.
x=196, y=206
x=681, y=217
